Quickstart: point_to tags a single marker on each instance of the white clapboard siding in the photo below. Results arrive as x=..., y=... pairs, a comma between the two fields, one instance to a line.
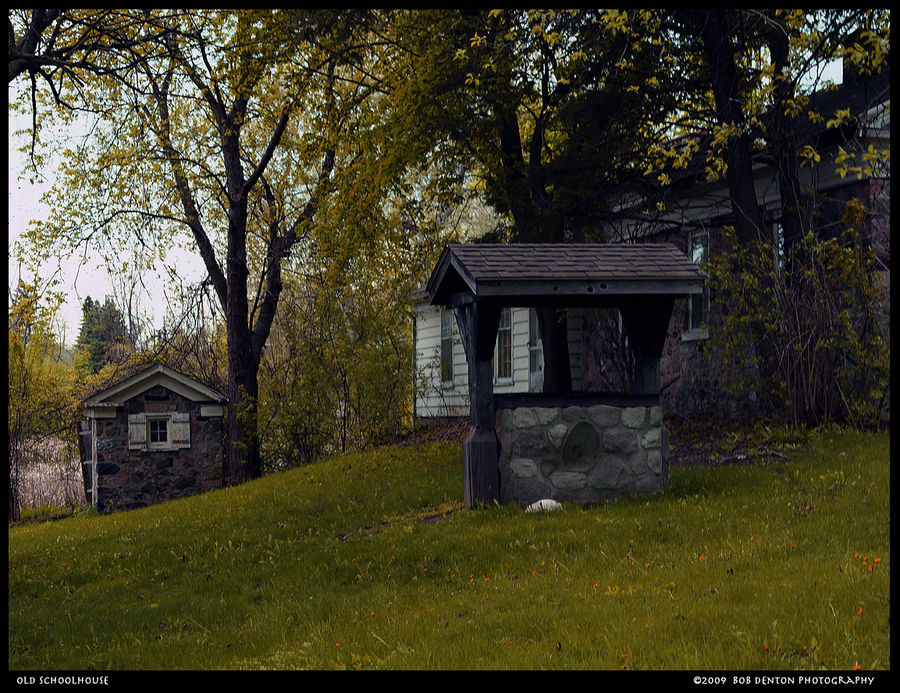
x=434, y=398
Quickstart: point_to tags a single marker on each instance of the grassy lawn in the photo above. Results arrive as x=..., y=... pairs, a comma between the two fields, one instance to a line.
x=370, y=561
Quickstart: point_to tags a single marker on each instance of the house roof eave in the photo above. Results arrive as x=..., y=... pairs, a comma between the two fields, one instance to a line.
x=142, y=381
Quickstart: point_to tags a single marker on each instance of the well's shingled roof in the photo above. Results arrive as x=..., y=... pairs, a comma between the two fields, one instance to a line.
x=599, y=261
x=549, y=271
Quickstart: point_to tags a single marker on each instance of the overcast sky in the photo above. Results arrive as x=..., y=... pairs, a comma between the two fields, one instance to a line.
x=80, y=278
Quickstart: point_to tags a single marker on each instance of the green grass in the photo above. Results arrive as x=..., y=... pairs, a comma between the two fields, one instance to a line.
x=370, y=561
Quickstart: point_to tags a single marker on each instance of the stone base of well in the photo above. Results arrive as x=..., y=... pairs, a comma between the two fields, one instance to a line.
x=581, y=453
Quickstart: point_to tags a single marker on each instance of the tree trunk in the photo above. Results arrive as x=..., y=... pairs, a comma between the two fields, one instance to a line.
x=555, y=340
x=785, y=142
x=242, y=455
x=243, y=461
x=522, y=196
x=716, y=34
x=242, y=458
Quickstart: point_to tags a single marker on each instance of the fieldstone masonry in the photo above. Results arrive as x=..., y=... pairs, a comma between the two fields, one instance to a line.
x=581, y=453
x=129, y=479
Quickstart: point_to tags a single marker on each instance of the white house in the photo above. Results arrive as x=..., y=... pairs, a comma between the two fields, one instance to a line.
x=442, y=384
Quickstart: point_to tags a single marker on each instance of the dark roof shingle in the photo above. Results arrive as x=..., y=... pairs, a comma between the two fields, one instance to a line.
x=481, y=263
x=577, y=261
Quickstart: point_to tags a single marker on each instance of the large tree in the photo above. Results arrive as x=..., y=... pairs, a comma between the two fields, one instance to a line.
x=750, y=85
x=754, y=94
x=535, y=105
x=220, y=134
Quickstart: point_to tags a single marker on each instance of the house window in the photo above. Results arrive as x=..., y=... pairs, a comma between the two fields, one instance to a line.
x=535, y=353
x=446, y=346
x=699, y=304
x=158, y=432
x=503, y=352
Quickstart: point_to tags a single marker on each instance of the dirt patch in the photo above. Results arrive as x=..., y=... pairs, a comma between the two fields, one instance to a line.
x=438, y=430
x=716, y=442
x=424, y=516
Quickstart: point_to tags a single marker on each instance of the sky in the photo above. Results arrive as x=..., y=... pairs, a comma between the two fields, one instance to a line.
x=80, y=277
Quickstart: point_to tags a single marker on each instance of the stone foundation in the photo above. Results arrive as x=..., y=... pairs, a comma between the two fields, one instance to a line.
x=581, y=453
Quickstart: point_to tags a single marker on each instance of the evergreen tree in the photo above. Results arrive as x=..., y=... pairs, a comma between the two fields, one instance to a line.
x=102, y=338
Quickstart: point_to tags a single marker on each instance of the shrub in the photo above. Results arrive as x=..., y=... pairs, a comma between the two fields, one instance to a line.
x=813, y=322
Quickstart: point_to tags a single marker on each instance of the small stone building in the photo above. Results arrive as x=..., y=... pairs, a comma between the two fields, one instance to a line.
x=152, y=437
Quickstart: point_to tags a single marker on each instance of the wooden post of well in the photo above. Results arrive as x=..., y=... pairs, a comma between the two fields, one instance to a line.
x=647, y=323
x=478, y=322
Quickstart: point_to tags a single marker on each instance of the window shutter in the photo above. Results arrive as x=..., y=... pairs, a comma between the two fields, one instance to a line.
x=180, y=430
x=137, y=431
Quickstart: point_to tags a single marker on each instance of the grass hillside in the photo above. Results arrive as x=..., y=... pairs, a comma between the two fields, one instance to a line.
x=369, y=560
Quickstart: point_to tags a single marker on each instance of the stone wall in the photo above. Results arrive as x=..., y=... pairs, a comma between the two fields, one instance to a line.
x=581, y=453
x=695, y=382
x=128, y=479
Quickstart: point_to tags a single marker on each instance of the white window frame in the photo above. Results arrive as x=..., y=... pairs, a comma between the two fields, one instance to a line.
x=445, y=354
x=695, y=324
x=535, y=353
x=152, y=421
x=505, y=327
x=177, y=428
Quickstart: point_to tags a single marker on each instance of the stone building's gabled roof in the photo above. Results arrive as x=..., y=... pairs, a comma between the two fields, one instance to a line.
x=140, y=382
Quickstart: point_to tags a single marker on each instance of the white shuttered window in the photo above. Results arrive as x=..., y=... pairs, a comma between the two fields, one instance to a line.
x=180, y=430
x=159, y=432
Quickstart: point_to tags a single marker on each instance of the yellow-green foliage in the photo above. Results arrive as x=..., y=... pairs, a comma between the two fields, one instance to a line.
x=39, y=383
x=812, y=323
